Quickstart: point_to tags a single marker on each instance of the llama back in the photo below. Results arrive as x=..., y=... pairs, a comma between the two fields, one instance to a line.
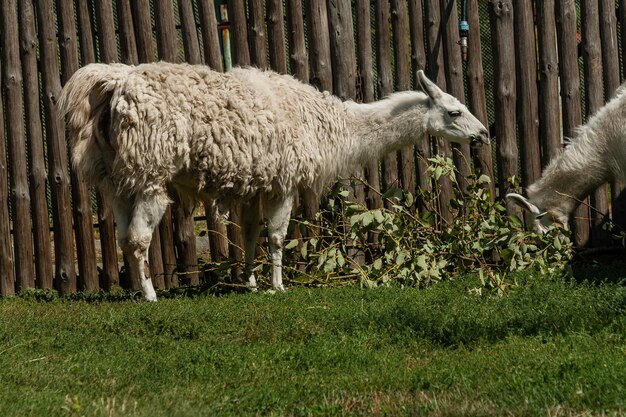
x=316, y=143
x=232, y=134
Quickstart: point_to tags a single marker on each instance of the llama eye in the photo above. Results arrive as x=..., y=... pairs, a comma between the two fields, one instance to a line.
x=454, y=113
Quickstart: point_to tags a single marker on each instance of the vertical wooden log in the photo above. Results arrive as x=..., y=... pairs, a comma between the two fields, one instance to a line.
x=110, y=271
x=237, y=20
x=7, y=272
x=385, y=83
x=570, y=94
x=611, y=72
x=320, y=75
x=454, y=80
x=36, y=155
x=298, y=59
x=218, y=242
x=18, y=176
x=210, y=39
x=402, y=56
x=83, y=220
x=527, y=93
x=594, y=99
x=192, y=56
x=256, y=33
x=418, y=62
x=344, y=74
x=436, y=72
x=167, y=47
x=476, y=92
x=241, y=57
x=366, y=68
x=298, y=56
x=184, y=238
x=319, y=46
x=142, y=25
x=276, y=36
x=503, y=44
x=106, y=31
x=622, y=40
x=108, y=53
x=128, y=45
x=58, y=176
x=550, y=120
x=189, y=31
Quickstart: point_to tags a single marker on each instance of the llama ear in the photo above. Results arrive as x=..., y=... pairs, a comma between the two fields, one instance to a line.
x=427, y=86
x=523, y=202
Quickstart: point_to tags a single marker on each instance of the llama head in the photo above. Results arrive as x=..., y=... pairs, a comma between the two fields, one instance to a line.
x=540, y=220
x=449, y=118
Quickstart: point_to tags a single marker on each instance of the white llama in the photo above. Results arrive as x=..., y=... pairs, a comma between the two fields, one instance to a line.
x=594, y=156
x=247, y=136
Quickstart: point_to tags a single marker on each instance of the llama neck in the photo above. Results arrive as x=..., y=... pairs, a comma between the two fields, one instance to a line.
x=386, y=125
x=571, y=176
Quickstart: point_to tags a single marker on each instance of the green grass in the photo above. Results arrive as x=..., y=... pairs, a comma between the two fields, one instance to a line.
x=549, y=347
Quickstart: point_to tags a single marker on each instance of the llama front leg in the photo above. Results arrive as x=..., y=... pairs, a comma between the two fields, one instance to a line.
x=135, y=242
x=278, y=214
x=251, y=227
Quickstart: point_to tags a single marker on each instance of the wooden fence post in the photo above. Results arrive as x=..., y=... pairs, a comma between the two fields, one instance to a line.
x=298, y=56
x=276, y=36
x=108, y=53
x=611, y=73
x=502, y=39
x=184, y=238
x=110, y=275
x=366, y=62
x=65, y=275
x=128, y=45
x=256, y=33
x=476, y=92
x=402, y=56
x=83, y=221
x=320, y=76
x=241, y=56
x=385, y=84
x=594, y=99
x=418, y=61
x=7, y=273
x=218, y=242
x=210, y=38
x=570, y=94
x=20, y=195
x=436, y=72
x=527, y=92
x=549, y=120
x=36, y=155
x=161, y=254
x=454, y=81
x=189, y=31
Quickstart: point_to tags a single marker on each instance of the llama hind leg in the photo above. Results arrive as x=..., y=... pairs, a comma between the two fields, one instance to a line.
x=146, y=214
x=251, y=227
x=278, y=215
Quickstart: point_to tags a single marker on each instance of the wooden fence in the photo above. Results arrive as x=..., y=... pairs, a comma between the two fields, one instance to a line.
x=527, y=66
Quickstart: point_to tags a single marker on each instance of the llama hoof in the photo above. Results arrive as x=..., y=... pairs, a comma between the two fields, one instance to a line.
x=151, y=297
x=275, y=290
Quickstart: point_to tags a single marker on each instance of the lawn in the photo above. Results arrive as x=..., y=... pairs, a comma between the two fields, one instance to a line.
x=551, y=346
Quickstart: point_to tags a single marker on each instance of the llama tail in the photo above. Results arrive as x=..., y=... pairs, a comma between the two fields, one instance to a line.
x=84, y=100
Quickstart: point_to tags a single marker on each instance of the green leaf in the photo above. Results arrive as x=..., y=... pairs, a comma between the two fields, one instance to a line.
x=292, y=244
x=484, y=179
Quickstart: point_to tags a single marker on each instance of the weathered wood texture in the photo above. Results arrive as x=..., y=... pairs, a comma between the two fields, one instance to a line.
x=570, y=94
